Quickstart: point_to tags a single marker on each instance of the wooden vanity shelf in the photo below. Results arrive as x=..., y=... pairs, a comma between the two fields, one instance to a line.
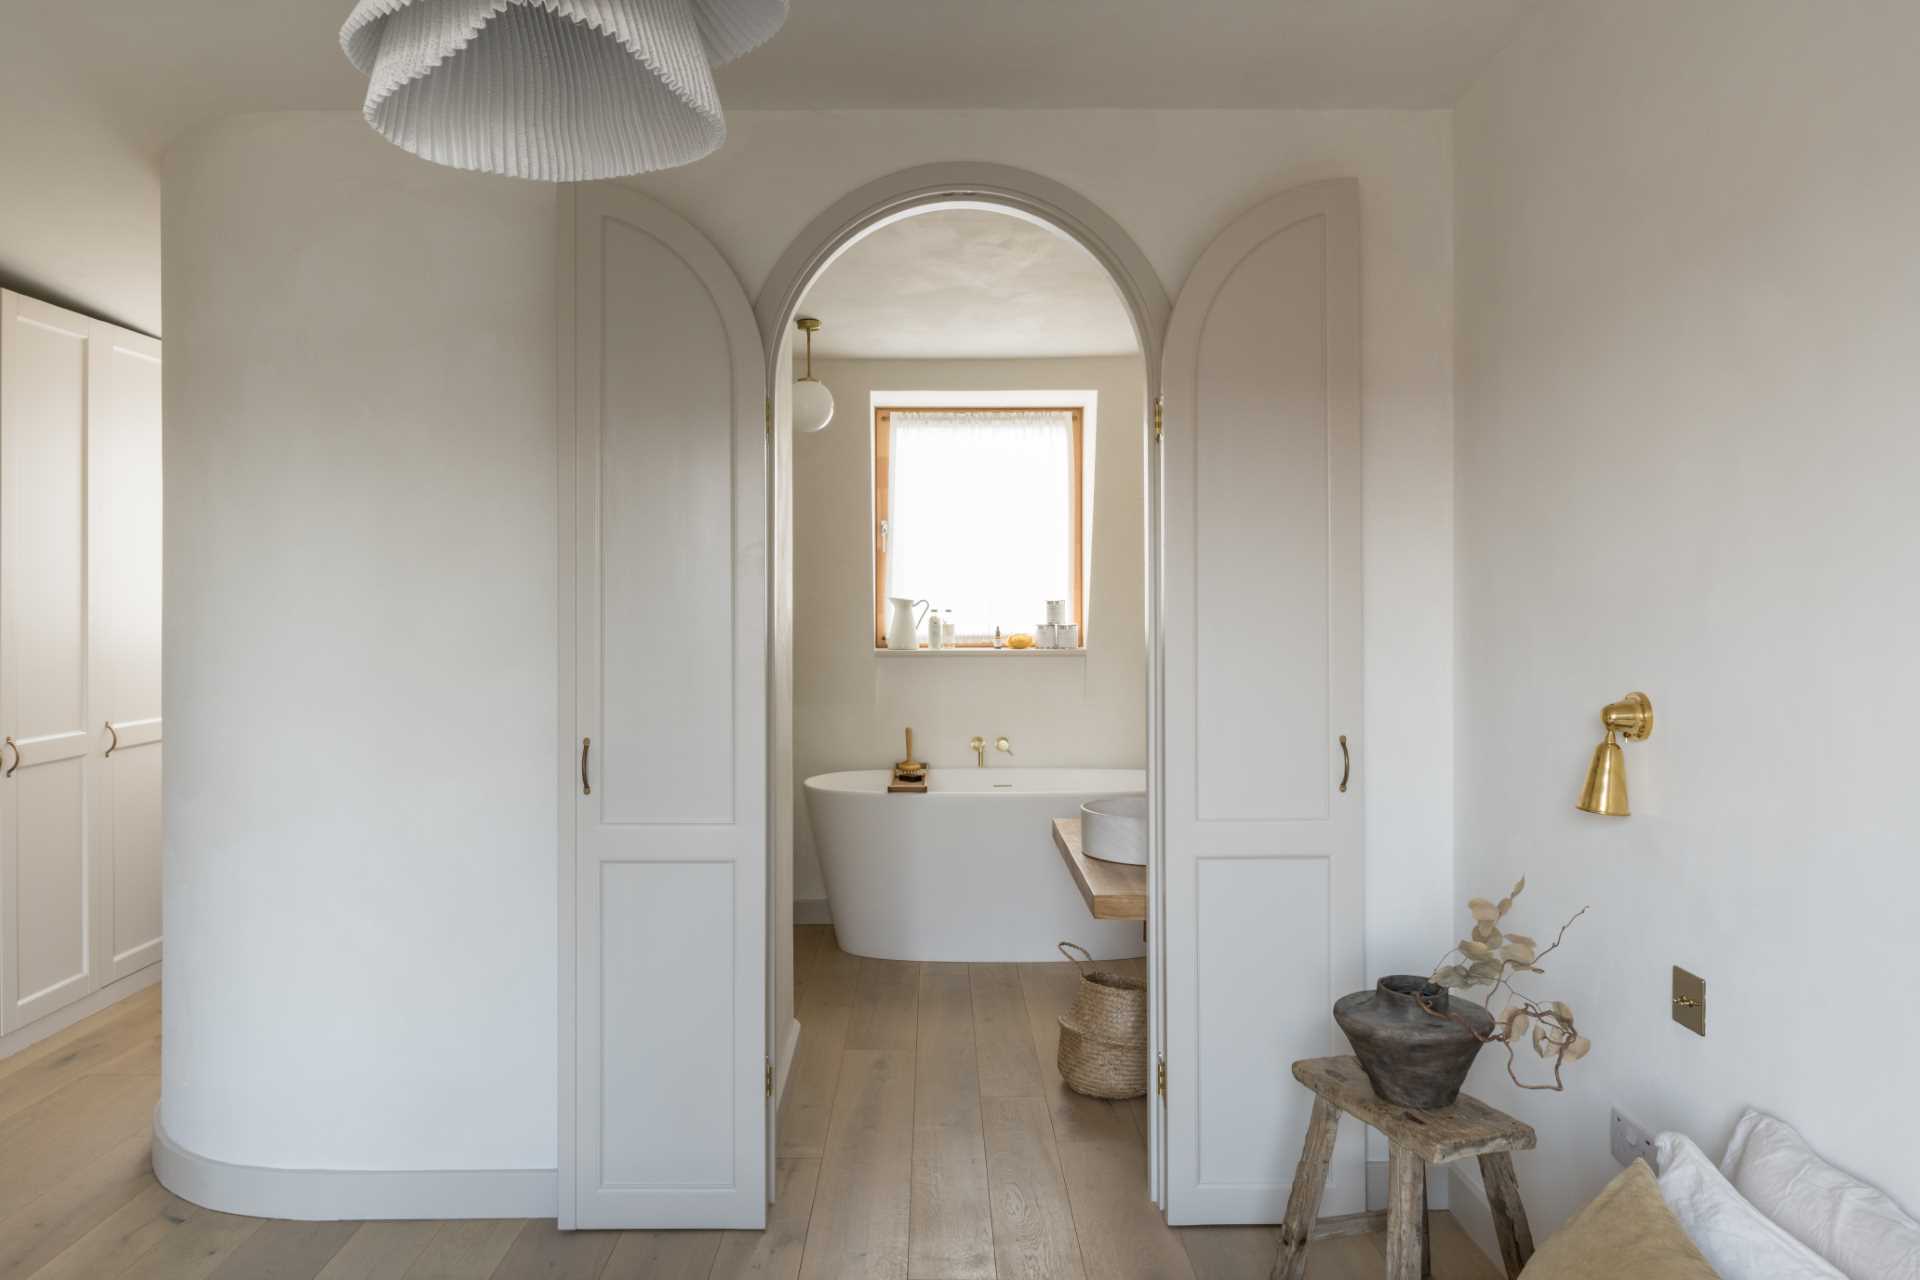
x=1113, y=890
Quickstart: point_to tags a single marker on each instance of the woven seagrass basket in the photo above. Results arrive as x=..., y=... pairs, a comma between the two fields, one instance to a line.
x=1103, y=1038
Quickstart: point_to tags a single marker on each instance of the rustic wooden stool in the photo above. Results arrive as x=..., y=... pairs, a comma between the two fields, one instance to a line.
x=1415, y=1140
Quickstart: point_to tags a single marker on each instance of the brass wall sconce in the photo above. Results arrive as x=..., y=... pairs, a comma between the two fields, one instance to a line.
x=1606, y=789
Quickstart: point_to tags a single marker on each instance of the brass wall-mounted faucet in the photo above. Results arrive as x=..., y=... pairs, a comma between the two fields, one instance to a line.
x=979, y=746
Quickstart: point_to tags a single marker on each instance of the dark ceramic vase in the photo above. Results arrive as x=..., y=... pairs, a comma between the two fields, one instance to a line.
x=1414, y=1058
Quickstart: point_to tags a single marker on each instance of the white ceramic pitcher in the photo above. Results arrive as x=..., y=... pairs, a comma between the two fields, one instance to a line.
x=903, y=631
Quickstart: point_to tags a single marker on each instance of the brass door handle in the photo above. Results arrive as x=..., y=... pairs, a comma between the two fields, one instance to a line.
x=586, y=785
x=115, y=744
x=16, y=757
x=1346, y=764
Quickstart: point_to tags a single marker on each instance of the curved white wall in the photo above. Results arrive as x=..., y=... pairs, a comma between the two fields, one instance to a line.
x=361, y=582
x=360, y=654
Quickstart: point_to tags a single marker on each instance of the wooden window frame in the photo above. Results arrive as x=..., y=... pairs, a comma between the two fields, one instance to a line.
x=882, y=469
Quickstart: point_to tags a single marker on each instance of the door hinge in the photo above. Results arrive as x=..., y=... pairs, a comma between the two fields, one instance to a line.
x=1160, y=1077
x=1159, y=406
x=769, y=1077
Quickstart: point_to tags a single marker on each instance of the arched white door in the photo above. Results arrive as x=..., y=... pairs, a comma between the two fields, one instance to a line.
x=1262, y=855
x=665, y=981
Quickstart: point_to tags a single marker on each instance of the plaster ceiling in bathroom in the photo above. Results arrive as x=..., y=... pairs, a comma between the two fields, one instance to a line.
x=967, y=284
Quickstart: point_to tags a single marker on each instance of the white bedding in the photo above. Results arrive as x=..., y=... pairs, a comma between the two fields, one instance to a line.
x=1739, y=1241
x=1853, y=1225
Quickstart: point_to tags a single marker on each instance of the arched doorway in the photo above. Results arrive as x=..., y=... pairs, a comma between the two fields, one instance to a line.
x=1020, y=194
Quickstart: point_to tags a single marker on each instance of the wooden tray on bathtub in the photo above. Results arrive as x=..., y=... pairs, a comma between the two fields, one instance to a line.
x=1113, y=890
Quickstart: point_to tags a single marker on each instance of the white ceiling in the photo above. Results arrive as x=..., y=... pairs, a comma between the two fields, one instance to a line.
x=967, y=284
x=1123, y=53
x=160, y=66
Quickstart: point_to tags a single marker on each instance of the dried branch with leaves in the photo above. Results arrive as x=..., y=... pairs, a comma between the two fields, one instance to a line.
x=1492, y=958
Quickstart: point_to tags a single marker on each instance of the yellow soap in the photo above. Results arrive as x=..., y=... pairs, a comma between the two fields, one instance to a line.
x=1019, y=640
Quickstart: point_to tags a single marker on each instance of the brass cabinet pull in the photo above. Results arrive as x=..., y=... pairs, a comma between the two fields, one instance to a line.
x=16, y=757
x=115, y=744
x=586, y=786
x=1346, y=764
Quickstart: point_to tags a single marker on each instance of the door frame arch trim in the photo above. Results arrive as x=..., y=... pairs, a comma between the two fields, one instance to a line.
x=1041, y=200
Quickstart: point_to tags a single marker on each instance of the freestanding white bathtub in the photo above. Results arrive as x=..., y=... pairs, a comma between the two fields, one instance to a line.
x=967, y=871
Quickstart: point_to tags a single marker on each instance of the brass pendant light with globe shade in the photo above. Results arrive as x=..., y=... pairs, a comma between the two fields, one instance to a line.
x=812, y=402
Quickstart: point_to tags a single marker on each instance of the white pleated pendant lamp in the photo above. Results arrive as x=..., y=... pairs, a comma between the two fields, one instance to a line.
x=554, y=90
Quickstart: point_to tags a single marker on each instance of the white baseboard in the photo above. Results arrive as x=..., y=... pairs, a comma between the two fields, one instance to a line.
x=788, y=1047
x=812, y=911
x=1468, y=1204
x=332, y=1195
x=1239, y=1204
x=60, y=1019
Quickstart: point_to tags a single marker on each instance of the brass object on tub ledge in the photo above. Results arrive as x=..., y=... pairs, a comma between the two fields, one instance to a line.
x=909, y=765
x=909, y=775
x=1605, y=792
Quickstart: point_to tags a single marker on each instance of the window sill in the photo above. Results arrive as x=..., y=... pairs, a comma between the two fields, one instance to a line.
x=980, y=653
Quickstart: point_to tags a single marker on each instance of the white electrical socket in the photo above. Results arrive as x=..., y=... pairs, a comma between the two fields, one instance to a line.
x=1630, y=1141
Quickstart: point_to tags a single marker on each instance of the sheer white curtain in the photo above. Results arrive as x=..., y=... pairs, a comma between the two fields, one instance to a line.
x=981, y=514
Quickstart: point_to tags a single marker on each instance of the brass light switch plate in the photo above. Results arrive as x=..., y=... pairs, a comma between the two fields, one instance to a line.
x=1690, y=1001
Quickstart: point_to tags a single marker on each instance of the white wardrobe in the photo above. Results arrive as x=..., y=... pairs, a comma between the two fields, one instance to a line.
x=80, y=542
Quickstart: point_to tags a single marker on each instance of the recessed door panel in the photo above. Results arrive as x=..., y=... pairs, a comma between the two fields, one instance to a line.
x=1262, y=970
x=134, y=789
x=666, y=542
x=45, y=495
x=667, y=931
x=51, y=890
x=1261, y=571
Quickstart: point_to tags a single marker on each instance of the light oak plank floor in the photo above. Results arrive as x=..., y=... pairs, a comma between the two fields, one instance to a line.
x=925, y=1135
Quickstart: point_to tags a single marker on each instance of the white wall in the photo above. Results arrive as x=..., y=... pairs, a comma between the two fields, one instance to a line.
x=79, y=192
x=1173, y=179
x=852, y=703
x=361, y=579
x=1688, y=310
x=360, y=654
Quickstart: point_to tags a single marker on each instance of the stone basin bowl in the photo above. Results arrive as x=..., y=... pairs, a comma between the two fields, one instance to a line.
x=1114, y=829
